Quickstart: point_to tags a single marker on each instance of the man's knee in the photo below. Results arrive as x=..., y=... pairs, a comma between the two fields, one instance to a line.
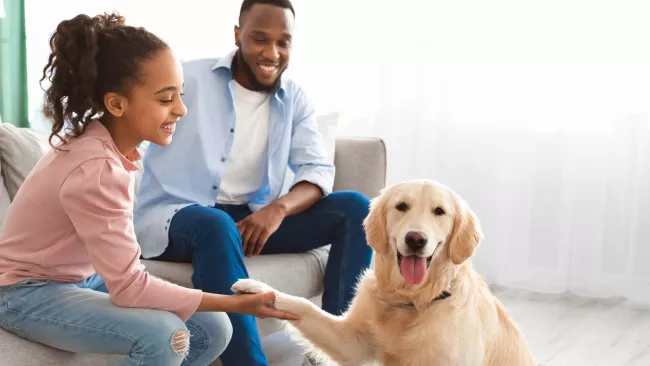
x=210, y=226
x=196, y=217
x=353, y=204
x=215, y=221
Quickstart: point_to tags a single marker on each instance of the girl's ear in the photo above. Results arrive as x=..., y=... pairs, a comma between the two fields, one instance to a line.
x=115, y=104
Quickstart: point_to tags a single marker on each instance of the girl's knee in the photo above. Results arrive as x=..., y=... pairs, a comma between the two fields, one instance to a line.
x=211, y=332
x=223, y=326
x=219, y=330
x=167, y=341
x=173, y=335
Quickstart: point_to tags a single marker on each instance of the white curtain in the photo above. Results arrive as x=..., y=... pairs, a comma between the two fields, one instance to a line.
x=536, y=112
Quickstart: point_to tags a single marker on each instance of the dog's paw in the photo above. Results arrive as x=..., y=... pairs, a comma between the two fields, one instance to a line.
x=283, y=302
x=249, y=286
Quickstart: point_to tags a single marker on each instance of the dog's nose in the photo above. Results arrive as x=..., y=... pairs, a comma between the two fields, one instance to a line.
x=415, y=240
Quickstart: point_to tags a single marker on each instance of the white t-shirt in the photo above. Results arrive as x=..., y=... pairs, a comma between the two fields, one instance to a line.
x=246, y=168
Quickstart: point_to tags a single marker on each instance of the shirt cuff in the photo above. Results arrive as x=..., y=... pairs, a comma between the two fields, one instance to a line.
x=193, y=303
x=322, y=176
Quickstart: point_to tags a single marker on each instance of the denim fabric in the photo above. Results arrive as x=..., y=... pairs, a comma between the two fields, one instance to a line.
x=81, y=318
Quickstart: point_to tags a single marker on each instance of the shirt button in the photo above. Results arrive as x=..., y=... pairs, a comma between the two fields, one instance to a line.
x=214, y=187
x=232, y=130
x=223, y=159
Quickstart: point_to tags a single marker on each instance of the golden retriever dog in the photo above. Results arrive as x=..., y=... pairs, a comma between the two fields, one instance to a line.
x=423, y=305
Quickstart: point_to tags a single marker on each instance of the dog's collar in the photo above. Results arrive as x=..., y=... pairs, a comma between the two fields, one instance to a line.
x=409, y=305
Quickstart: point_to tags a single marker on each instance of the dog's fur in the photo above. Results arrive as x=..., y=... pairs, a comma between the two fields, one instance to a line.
x=394, y=323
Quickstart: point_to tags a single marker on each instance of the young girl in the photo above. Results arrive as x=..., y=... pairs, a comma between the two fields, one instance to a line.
x=68, y=238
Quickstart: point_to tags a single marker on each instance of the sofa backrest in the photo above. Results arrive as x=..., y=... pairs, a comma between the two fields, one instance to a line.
x=20, y=149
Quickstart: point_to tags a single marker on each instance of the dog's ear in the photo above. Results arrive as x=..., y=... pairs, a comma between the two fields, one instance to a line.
x=466, y=234
x=375, y=225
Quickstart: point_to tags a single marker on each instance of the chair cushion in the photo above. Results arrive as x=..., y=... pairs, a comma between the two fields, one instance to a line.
x=20, y=352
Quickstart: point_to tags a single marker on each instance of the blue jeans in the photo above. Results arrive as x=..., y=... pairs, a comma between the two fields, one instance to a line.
x=209, y=238
x=81, y=318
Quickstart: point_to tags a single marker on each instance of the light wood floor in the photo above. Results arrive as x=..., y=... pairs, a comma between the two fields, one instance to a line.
x=565, y=330
x=562, y=330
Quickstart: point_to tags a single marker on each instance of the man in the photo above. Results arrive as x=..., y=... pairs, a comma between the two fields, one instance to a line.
x=213, y=195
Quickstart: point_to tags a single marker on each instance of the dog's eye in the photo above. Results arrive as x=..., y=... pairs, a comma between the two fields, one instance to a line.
x=402, y=206
x=439, y=211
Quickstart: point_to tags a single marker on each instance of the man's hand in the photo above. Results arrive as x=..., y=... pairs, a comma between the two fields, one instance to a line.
x=256, y=229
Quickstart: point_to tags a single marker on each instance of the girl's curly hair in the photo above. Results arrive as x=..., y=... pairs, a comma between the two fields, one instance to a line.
x=91, y=56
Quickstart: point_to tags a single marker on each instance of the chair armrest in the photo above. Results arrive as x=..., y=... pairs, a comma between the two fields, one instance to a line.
x=360, y=165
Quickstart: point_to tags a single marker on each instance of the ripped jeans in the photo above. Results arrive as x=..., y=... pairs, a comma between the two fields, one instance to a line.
x=81, y=318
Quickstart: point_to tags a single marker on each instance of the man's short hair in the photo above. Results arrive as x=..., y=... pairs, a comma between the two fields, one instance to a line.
x=248, y=4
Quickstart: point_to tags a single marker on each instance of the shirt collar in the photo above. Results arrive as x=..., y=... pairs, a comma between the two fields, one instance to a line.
x=98, y=130
x=226, y=63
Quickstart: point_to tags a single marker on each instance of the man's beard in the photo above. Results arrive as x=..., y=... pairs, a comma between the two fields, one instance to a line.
x=255, y=84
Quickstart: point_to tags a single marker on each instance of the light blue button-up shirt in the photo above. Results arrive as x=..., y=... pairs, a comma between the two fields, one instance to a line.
x=190, y=169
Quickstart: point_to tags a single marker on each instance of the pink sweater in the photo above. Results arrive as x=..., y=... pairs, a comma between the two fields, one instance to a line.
x=73, y=216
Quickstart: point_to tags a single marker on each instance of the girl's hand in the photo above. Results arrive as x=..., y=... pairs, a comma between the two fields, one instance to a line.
x=259, y=305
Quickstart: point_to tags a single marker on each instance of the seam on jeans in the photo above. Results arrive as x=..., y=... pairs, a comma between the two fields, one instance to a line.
x=343, y=268
x=198, y=260
x=203, y=347
x=83, y=326
x=5, y=321
x=11, y=326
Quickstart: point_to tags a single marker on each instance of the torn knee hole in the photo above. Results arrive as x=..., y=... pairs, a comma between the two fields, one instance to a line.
x=181, y=342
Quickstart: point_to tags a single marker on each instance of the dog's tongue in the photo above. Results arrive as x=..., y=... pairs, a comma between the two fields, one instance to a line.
x=413, y=269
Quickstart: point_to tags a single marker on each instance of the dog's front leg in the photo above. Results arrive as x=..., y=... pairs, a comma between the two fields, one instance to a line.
x=337, y=337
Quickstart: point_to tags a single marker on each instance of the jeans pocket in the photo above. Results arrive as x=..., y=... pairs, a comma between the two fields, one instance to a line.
x=14, y=330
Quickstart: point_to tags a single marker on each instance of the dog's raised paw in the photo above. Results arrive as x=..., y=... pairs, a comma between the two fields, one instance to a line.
x=250, y=286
